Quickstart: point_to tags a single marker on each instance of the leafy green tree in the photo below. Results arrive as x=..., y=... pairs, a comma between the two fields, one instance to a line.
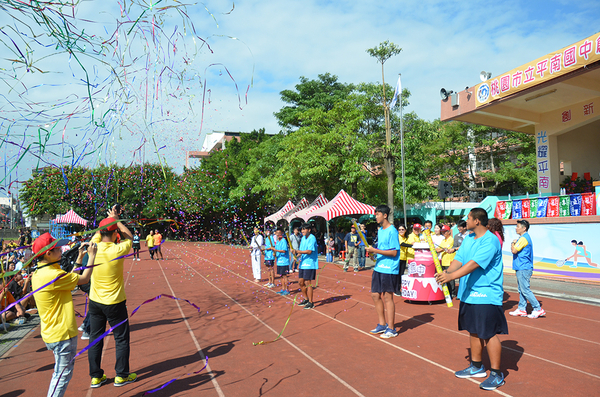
x=382, y=53
x=483, y=160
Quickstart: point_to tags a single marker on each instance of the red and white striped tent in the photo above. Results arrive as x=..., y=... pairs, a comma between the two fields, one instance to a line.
x=342, y=204
x=302, y=204
x=279, y=214
x=317, y=203
x=71, y=217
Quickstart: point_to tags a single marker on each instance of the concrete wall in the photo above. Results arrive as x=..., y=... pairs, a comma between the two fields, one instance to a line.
x=581, y=147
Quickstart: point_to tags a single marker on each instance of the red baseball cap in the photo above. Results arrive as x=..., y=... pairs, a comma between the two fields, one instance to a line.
x=44, y=240
x=445, y=228
x=417, y=226
x=107, y=221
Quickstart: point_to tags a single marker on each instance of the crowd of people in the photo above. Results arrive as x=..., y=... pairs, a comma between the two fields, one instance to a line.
x=472, y=255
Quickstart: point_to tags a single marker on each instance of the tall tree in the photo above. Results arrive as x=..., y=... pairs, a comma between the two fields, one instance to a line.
x=382, y=53
x=483, y=160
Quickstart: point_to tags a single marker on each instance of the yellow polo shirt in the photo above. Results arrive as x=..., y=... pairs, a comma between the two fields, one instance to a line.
x=150, y=241
x=107, y=285
x=412, y=238
x=55, y=303
x=447, y=258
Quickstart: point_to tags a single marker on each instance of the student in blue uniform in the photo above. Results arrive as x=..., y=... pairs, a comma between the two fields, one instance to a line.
x=384, y=281
x=282, y=260
x=309, y=263
x=478, y=264
x=270, y=258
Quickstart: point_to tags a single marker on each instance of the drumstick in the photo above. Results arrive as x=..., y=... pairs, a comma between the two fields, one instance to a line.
x=290, y=244
x=438, y=267
x=245, y=239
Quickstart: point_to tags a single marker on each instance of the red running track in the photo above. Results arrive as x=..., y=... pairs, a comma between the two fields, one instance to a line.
x=326, y=351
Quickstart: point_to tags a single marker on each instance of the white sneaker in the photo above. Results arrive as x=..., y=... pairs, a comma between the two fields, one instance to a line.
x=80, y=329
x=537, y=313
x=518, y=312
x=139, y=259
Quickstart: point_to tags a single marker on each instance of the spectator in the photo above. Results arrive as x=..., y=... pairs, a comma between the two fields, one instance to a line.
x=522, y=249
x=351, y=241
x=55, y=307
x=108, y=302
x=158, y=240
x=361, y=247
x=495, y=226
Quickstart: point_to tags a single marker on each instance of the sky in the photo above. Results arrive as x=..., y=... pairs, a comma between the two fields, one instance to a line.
x=169, y=74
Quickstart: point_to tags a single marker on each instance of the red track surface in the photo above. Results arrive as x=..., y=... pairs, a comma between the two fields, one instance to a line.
x=323, y=352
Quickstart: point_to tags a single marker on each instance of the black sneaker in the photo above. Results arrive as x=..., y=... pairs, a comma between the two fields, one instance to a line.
x=309, y=305
x=304, y=302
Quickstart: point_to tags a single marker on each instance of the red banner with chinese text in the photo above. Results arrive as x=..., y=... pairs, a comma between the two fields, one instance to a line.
x=588, y=206
x=526, y=208
x=553, y=206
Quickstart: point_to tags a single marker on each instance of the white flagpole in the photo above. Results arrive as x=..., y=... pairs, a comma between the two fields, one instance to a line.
x=402, y=152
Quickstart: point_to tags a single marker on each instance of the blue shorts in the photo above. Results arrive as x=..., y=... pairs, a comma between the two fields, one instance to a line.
x=269, y=262
x=383, y=282
x=307, y=274
x=483, y=320
x=283, y=270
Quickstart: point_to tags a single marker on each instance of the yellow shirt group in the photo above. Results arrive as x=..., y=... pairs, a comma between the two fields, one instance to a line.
x=150, y=241
x=412, y=238
x=403, y=250
x=107, y=285
x=55, y=303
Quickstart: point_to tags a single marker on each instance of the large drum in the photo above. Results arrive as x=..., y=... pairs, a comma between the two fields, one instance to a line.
x=420, y=284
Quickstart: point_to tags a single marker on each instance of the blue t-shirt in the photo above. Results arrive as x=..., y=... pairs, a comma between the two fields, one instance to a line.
x=484, y=284
x=387, y=239
x=269, y=255
x=283, y=258
x=309, y=261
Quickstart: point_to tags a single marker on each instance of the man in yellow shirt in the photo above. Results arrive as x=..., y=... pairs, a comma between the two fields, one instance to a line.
x=157, y=244
x=55, y=306
x=445, y=248
x=150, y=243
x=108, y=301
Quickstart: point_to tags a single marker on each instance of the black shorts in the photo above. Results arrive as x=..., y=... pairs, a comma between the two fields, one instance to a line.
x=269, y=262
x=383, y=282
x=136, y=246
x=307, y=274
x=283, y=270
x=483, y=320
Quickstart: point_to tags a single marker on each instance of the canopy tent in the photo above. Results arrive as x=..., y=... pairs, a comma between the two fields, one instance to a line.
x=71, y=217
x=342, y=204
x=317, y=203
x=279, y=214
x=300, y=206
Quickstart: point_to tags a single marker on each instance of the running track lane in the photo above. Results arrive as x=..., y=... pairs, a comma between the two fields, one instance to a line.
x=325, y=351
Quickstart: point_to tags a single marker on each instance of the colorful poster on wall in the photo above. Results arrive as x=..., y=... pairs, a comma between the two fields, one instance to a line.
x=525, y=208
x=553, y=205
x=542, y=207
x=587, y=204
x=533, y=207
x=563, y=209
x=575, y=204
x=517, y=209
x=555, y=255
x=500, y=209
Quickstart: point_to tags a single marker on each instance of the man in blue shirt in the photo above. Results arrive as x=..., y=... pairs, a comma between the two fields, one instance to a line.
x=478, y=263
x=351, y=241
x=309, y=264
x=282, y=260
x=522, y=250
x=384, y=281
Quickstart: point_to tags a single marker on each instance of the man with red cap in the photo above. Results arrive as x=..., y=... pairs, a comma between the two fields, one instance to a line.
x=414, y=237
x=55, y=305
x=108, y=300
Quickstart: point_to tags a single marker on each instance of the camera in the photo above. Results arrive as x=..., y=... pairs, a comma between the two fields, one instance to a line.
x=118, y=208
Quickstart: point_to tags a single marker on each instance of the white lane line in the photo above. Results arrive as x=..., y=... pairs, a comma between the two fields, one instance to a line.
x=446, y=329
x=340, y=322
x=187, y=324
x=318, y=364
